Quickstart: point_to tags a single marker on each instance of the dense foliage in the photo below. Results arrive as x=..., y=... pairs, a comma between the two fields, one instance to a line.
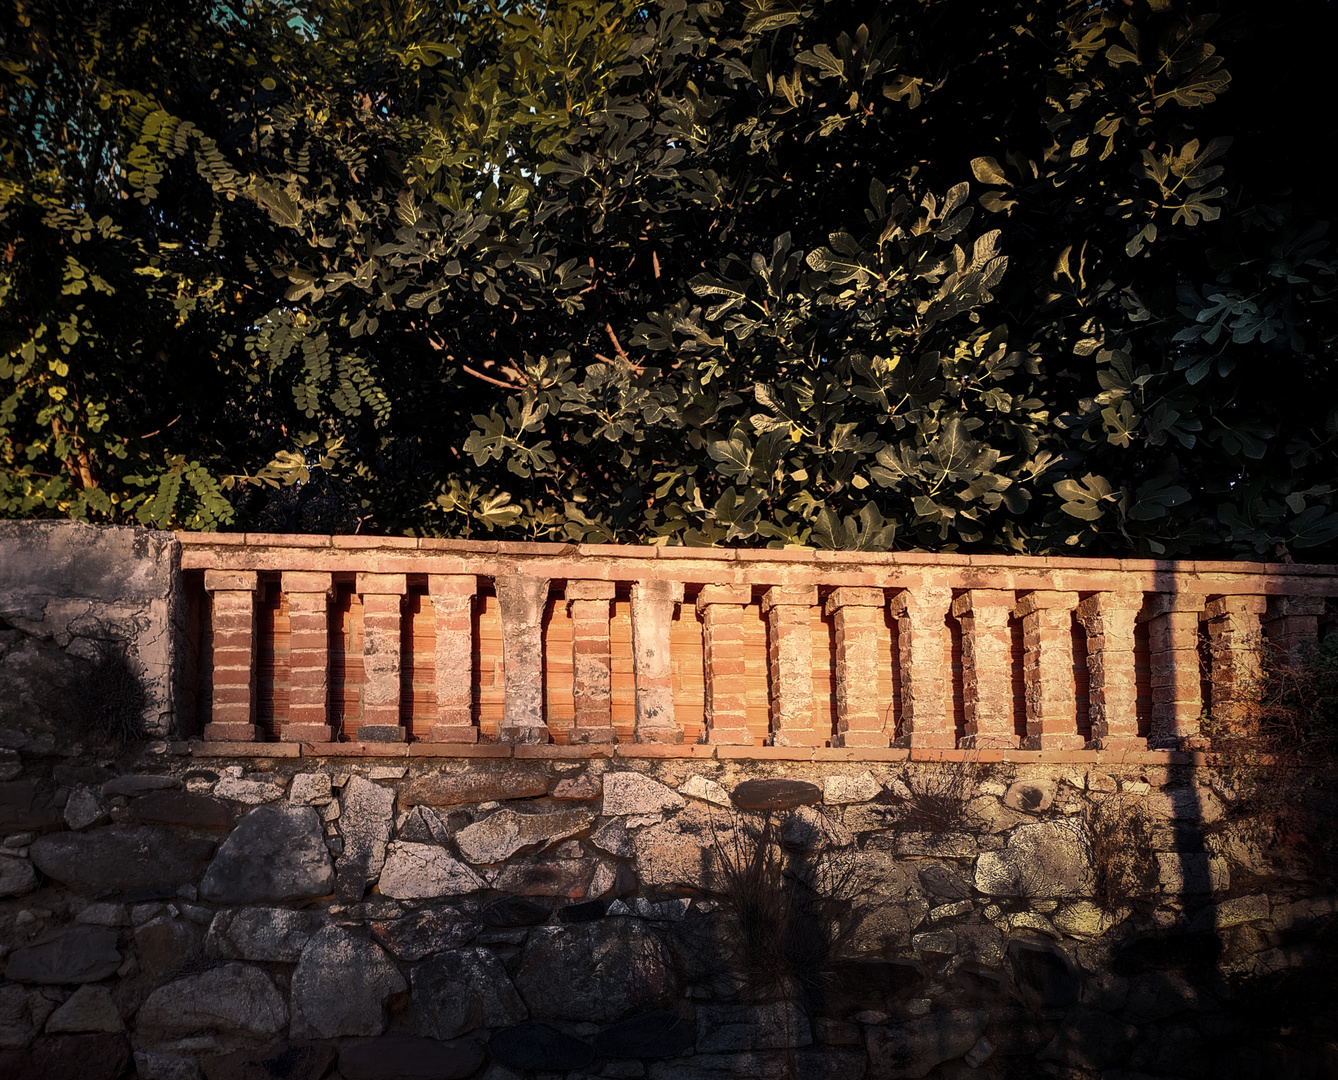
x=1037, y=277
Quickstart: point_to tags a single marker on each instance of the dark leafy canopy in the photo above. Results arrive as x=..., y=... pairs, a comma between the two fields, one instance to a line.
x=1042, y=277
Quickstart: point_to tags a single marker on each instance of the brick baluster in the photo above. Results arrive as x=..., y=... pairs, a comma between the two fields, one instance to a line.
x=652, y=618
x=1112, y=688
x=721, y=610
x=382, y=600
x=1235, y=643
x=308, y=718
x=521, y=601
x=923, y=650
x=1292, y=623
x=232, y=596
x=987, y=668
x=591, y=661
x=1047, y=670
x=453, y=661
x=860, y=717
x=790, y=664
x=1177, y=700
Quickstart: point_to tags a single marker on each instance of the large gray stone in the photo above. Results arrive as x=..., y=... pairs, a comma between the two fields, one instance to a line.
x=23, y=1011
x=366, y=818
x=79, y=954
x=263, y=933
x=502, y=834
x=231, y=999
x=597, y=971
x=90, y=1008
x=913, y=1048
x=1043, y=859
x=275, y=855
x=808, y=829
x=463, y=989
x=121, y=857
x=341, y=986
x=424, y=871
x=776, y=1025
x=16, y=876
x=424, y=933
x=467, y=783
x=632, y=793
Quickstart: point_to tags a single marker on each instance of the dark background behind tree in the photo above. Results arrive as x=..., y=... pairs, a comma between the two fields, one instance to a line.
x=1042, y=278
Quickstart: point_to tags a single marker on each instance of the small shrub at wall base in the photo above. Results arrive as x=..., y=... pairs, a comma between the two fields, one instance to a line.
x=1120, y=850
x=110, y=699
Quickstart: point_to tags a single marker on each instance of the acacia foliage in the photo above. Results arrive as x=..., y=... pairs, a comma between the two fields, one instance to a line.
x=839, y=274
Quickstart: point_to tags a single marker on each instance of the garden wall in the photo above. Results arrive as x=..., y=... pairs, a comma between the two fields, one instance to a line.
x=674, y=909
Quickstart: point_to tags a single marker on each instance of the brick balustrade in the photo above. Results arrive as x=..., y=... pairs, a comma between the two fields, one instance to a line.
x=322, y=640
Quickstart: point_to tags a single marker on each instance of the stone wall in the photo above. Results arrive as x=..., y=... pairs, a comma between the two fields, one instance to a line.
x=589, y=912
x=75, y=601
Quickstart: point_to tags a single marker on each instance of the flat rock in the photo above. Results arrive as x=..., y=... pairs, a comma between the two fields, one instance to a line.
x=631, y=793
x=233, y=999
x=165, y=943
x=310, y=789
x=367, y=817
x=809, y=829
x=341, y=986
x=599, y=971
x=567, y=878
x=499, y=782
x=503, y=834
x=409, y=1057
x=839, y=790
x=1183, y=872
x=698, y=787
x=1043, y=859
x=16, y=876
x=1082, y=918
x=614, y=838
x=425, y=871
x=85, y=807
x=425, y=933
x=424, y=826
x=138, y=785
x=913, y=1048
x=277, y=854
x=463, y=989
x=579, y=788
x=121, y=857
x=182, y=809
x=271, y=934
x=281, y=1061
x=537, y=1046
x=776, y=1025
x=775, y=794
x=78, y=954
x=944, y=882
x=654, y=1034
x=89, y=1009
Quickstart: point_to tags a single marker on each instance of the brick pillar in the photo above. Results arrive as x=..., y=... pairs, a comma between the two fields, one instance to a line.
x=232, y=595
x=987, y=668
x=924, y=648
x=721, y=610
x=382, y=596
x=453, y=661
x=308, y=596
x=521, y=601
x=1292, y=623
x=860, y=716
x=1112, y=688
x=1047, y=670
x=790, y=664
x=1173, y=639
x=652, y=616
x=1235, y=643
x=591, y=662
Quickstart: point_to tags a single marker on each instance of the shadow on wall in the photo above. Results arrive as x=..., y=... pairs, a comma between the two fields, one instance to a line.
x=1103, y=941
